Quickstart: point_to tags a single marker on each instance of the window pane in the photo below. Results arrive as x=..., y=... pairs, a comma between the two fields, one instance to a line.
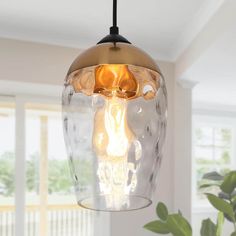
x=32, y=157
x=212, y=146
x=7, y=166
x=203, y=135
x=51, y=204
x=59, y=180
x=7, y=153
x=223, y=137
x=204, y=155
x=200, y=171
x=222, y=156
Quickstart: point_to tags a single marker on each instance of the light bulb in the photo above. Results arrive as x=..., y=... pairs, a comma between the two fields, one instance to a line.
x=112, y=138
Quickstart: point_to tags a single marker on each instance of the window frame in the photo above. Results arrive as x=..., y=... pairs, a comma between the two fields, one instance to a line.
x=215, y=119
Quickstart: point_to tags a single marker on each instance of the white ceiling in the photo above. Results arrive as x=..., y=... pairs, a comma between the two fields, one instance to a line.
x=164, y=28
x=161, y=27
x=215, y=72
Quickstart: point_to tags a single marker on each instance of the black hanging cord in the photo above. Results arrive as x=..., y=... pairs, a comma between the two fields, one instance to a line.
x=114, y=13
x=114, y=29
x=114, y=36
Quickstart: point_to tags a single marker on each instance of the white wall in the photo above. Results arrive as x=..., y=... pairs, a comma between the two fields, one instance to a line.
x=34, y=62
x=183, y=148
x=46, y=64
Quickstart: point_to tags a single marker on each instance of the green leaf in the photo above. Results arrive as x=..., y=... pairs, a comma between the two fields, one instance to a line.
x=234, y=200
x=209, y=185
x=233, y=234
x=220, y=205
x=162, y=211
x=213, y=176
x=208, y=228
x=157, y=226
x=178, y=225
x=220, y=222
x=223, y=195
x=229, y=183
x=233, y=194
x=228, y=218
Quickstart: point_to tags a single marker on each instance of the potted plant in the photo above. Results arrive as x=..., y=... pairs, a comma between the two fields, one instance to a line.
x=224, y=202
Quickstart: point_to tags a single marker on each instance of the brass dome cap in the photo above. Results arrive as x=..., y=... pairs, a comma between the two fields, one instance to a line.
x=113, y=53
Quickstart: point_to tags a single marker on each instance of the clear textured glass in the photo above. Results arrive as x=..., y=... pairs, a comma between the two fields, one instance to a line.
x=114, y=126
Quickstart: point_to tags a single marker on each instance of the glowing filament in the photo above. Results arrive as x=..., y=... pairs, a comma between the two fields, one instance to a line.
x=112, y=140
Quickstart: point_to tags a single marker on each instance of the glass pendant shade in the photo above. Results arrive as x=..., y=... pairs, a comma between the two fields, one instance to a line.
x=114, y=117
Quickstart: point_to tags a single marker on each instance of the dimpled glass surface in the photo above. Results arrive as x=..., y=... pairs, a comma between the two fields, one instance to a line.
x=119, y=175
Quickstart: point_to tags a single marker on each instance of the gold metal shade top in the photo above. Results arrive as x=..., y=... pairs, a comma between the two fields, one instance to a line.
x=113, y=53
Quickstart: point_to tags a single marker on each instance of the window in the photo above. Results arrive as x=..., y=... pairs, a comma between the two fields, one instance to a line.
x=7, y=151
x=212, y=149
x=49, y=189
x=49, y=206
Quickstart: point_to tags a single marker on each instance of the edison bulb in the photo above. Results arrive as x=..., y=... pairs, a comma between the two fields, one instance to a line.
x=112, y=138
x=112, y=135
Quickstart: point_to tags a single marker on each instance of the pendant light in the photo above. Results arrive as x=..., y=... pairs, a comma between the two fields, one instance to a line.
x=114, y=117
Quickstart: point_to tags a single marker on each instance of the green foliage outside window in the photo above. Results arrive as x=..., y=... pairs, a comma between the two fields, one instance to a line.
x=7, y=174
x=213, y=140
x=59, y=180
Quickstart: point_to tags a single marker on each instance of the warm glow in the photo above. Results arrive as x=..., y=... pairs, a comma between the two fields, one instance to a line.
x=116, y=79
x=122, y=81
x=112, y=138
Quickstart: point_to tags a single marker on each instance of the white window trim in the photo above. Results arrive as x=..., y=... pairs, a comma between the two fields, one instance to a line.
x=19, y=166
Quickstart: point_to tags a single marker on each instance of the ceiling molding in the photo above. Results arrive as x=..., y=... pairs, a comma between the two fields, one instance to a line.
x=195, y=25
x=222, y=21
x=187, y=84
